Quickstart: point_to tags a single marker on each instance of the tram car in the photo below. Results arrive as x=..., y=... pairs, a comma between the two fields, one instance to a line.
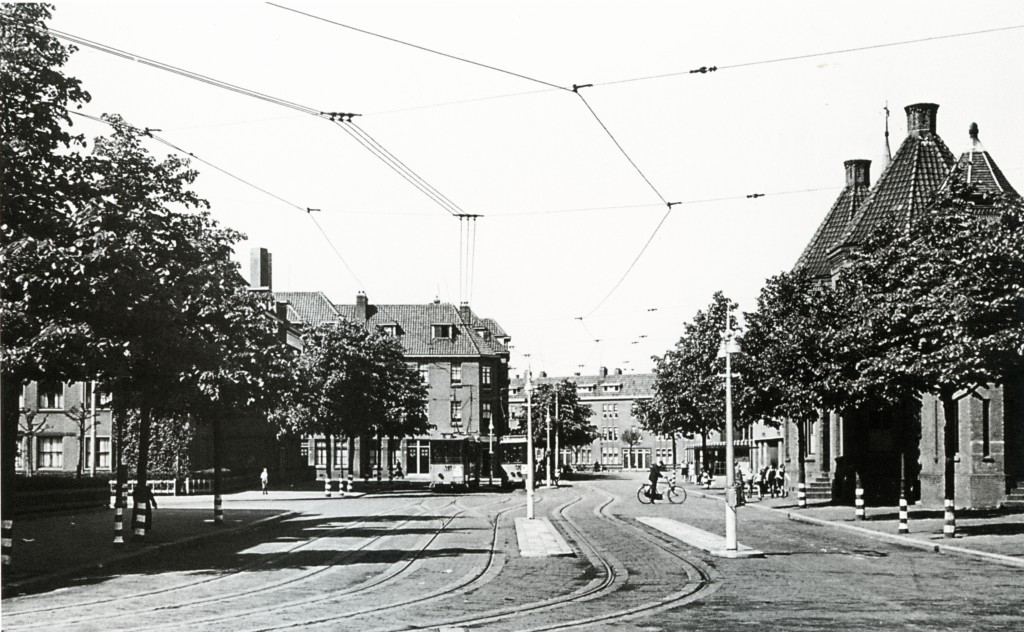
x=454, y=464
x=513, y=461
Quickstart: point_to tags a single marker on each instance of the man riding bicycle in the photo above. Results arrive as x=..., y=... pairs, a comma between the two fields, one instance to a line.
x=653, y=476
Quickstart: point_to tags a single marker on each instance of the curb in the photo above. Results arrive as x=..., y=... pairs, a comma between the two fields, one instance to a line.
x=11, y=589
x=895, y=539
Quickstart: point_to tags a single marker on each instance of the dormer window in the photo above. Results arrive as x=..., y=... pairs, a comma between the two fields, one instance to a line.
x=612, y=388
x=390, y=330
x=484, y=333
x=442, y=331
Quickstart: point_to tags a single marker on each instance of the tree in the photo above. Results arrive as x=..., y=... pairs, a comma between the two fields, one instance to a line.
x=631, y=437
x=689, y=394
x=943, y=302
x=570, y=419
x=352, y=383
x=81, y=416
x=40, y=182
x=29, y=429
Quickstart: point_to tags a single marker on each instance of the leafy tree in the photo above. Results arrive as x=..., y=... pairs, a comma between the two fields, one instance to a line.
x=942, y=301
x=29, y=428
x=689, y=393
x=40, y=182
x=352, y=383
x=631, y=437
x=570, y=419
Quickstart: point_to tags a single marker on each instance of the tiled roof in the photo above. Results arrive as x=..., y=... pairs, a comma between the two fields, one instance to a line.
x=814, y=260
x=495, y=328
x=308, y=308
x=979, y=169
x=905, y=187
x=631, y=385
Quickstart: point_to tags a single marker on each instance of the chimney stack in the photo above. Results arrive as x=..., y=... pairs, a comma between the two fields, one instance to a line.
x=858, y=172
x=361, y=307
x=921, y=118
x=260, y=268
x=618, y=371
x=465, y=313
x=603, y=372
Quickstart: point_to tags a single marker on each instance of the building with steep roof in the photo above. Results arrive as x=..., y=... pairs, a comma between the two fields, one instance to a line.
x=462, y=357
x=874, y=444
x=610, y=397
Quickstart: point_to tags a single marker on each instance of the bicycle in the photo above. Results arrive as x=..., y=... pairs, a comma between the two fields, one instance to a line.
x=676, y=494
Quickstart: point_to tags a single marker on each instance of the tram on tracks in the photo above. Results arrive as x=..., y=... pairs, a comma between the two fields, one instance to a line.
x=512, y=451
x=455, y=464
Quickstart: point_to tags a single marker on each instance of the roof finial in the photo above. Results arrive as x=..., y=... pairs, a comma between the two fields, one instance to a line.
x=888, y=152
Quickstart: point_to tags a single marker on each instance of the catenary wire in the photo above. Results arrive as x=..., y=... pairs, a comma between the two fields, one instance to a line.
x=418, y=47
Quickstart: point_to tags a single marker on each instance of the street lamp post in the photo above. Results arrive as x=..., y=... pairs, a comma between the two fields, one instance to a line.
x=529, y=445
x=730, y=482
x=547, y=451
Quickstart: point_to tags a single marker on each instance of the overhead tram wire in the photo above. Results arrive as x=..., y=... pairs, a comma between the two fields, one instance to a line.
x=840, y=51
x=307, y=210
x=418, y=47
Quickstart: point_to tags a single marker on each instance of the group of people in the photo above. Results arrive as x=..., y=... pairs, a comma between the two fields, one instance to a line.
x=770, y=481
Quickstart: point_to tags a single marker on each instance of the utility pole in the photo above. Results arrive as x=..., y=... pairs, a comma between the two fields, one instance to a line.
x=558, y=427
x=529, y=445
x=547, y=451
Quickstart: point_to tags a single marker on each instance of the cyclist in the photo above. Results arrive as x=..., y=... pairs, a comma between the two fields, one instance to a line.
x=653, y=475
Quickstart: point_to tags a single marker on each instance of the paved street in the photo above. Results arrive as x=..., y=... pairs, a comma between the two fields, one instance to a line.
x=415, y=560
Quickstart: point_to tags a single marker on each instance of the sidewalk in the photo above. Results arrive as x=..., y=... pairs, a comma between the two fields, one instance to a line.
x=54, y=548
x=994, y=535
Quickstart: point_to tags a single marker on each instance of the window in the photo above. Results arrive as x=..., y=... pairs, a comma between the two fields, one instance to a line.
x=51, y=396
x=102, y=453
x=456, y=373
x=612, y=388
x=390, y=330
x=21, y=399
x=485, y=375
x=320, y=452
x=442, y=331
x=456, y=413
x=485, y=414
x=425, y=373
x=103, y=396
x=51, y=452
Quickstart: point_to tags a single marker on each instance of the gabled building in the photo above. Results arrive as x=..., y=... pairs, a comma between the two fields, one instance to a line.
x=461, y=357
x=875, y=444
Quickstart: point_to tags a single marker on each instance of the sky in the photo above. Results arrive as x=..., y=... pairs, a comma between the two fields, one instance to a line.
x=570, y=187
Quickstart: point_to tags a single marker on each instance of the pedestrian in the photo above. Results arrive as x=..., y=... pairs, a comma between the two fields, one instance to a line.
x=773, y=481
x=398, y=470
x=264, y=480
x=781, y=478
x=653, y=475
x=143, y=495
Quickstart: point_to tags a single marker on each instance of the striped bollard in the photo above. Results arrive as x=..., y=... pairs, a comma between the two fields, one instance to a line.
x=327, y=487
x=118, y=522
x=949, y=527
x=8, y=540
x=139, y=519
x=113, y=495
x=218, y=511
x=801, y=495
x=904, y=529
x=859, y=500
x=379, y=471
x=351, y=481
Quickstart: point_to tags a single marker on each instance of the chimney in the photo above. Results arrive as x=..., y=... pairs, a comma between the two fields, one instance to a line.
x=975, y=143
x=260, y=268
x=618, y=371
x=543, y=373
x=361, y=310
x=858, y=172
x=603, y=372
x=921, y=118
x=465, y=314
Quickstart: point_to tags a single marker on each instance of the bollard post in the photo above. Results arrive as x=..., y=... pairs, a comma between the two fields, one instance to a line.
x=949, y=525
x=351, y=486
x=801, y=495
x=903, y=529
x=859, y=500
x=8, y=540
x=118, y=521
x=138, y=518
x=327, y=487
x=218, y=511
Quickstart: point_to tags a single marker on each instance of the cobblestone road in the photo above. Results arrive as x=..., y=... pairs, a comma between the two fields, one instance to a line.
x=422, y=561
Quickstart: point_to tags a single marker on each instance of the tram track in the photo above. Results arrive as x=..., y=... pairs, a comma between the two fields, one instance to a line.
x=267, y=561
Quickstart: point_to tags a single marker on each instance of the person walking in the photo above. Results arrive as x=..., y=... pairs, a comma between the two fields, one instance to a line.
x=264, y=480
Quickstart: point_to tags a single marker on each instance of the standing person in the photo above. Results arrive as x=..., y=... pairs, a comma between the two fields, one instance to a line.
x=264, y=480
x=773, y=481
x=780, y=476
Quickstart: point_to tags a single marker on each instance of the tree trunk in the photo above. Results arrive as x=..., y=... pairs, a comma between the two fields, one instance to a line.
x=118, y=416
x=801, y=467
x=140, y=495
x=218, y=450
x=951, y=435
x=81, y=450
x=10, y=389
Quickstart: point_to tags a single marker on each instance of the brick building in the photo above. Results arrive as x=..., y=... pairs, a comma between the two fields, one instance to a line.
x=990, y=432
x=462, y=357
x=610, y=396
